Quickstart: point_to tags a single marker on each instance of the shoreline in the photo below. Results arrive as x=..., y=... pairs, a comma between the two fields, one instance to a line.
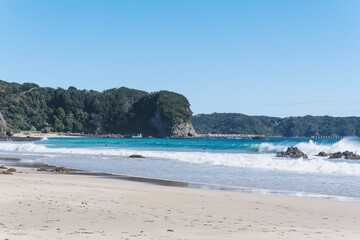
x=67, y=206
x=44, y=135
x=24, y=134
x=182, y=184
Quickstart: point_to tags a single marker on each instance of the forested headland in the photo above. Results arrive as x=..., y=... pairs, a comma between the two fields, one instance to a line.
x=307, y=126
x=159, y=114
x=119, y=110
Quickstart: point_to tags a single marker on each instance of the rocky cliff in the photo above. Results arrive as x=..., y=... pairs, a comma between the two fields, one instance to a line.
x=161, y=114
x=2, y=126
x=164, y=128
x=183, y=130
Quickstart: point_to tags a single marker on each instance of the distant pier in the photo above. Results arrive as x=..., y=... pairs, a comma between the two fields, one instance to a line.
x=230, y=136
x=333, y=136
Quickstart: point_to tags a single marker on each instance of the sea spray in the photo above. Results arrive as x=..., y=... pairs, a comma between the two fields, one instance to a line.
x=345, y=144
x=265, y=159
x=310, y=147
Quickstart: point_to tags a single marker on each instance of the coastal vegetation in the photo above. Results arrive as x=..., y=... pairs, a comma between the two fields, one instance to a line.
x=119, y=110
x=29, y=107
x=307, y=126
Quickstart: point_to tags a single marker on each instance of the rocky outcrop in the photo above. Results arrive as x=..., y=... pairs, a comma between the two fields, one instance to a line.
x=292, y=152
x=136, y=156
x=346, y=155
x=2, y=126
x=183, y=130
x=322, y=154
x=163, y=128
x=63, y=170
x=9, y=171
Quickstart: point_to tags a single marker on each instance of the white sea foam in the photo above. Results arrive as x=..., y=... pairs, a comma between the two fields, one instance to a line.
x=313, y=148
x=349, y=144
x=269, y=147
x=256, y=161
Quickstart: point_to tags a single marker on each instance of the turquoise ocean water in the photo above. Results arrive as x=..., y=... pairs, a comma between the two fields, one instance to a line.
x=242, y=163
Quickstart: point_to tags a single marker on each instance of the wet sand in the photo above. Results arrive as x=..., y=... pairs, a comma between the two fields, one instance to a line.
x=38, y=205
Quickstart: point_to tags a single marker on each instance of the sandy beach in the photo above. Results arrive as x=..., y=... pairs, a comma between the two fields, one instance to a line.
x=36, y=205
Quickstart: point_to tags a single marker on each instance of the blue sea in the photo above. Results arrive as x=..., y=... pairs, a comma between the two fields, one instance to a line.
x=236, y=164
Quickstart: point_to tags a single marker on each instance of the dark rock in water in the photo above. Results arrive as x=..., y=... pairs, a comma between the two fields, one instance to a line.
x=346, y=155
x=7, y=172
x=351, y=155
x=42, y=169
x=322, y=154
x=136, y=156
x=259, y=137
x=336, y=155
x=62, y=170
x=292, y=152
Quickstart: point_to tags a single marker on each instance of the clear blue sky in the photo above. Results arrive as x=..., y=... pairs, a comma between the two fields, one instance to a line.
x=258, y=57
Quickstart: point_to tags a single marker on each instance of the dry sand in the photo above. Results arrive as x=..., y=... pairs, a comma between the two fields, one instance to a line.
x=36, y=205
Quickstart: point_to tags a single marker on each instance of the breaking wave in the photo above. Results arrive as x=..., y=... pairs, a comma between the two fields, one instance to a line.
x=264, y=159
x=349, y=144
x=312, y=148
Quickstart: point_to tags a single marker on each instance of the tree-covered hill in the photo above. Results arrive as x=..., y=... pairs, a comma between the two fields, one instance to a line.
x=164, y=109
x=235, y=123
x=120, y=110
